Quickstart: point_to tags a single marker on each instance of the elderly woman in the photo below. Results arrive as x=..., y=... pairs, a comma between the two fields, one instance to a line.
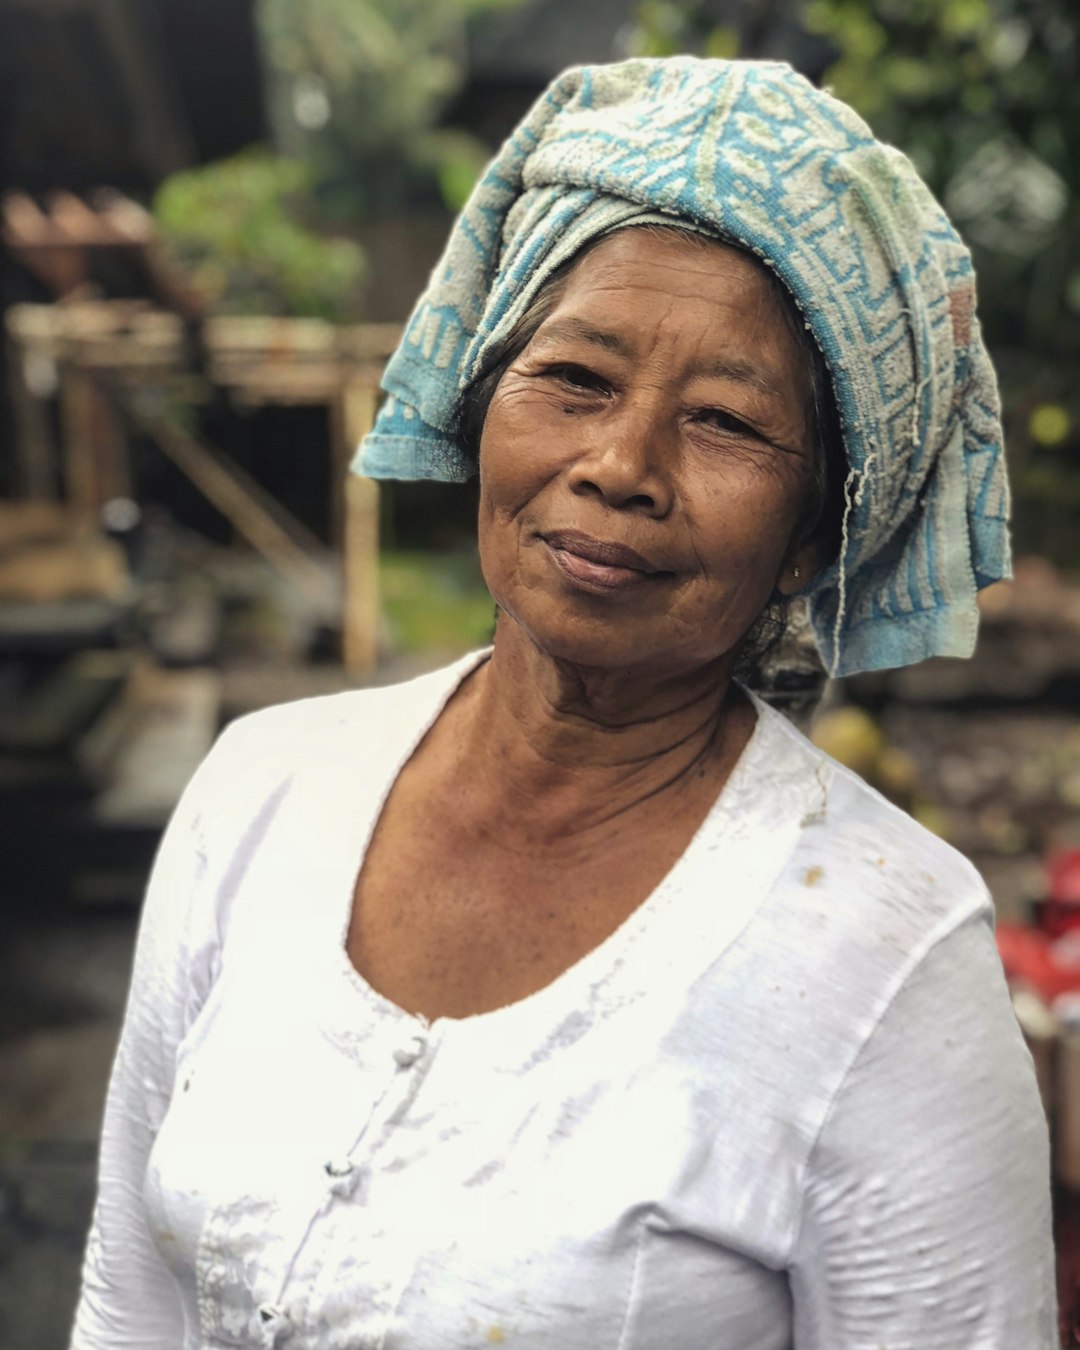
x=569, y=997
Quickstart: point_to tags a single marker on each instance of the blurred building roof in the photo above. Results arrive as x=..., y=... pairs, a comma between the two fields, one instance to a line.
x=532, y=43
x=535, y=40
x=121, y=91
x=515, y=53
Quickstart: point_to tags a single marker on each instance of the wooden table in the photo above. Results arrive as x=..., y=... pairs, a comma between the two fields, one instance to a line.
x=117, y=367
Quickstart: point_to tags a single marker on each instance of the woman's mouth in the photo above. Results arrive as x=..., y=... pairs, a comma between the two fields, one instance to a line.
x=597, y=564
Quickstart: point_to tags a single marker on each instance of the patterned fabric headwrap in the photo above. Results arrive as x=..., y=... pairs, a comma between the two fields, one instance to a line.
x=754, y=154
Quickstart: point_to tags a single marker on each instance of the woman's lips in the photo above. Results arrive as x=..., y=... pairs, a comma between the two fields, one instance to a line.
x=598, y=564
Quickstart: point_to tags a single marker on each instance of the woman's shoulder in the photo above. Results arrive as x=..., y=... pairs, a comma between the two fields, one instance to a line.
x=294, y=733
x=862, y=903
x=863, y=893
x=400, y=702
x=260, y=758
x=853, y=841
x=840, y=896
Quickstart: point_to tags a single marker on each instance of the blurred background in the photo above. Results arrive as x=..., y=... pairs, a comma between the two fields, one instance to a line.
x=214, y=218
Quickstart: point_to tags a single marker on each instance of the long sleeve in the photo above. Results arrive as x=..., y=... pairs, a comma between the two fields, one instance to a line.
x=926, y=1224
x=129, y=1297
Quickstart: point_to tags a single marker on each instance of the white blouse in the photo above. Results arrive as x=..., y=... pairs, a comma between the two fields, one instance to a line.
x=785, y=1104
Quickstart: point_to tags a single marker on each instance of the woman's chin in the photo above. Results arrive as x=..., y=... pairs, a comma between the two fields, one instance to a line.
x=612, y=646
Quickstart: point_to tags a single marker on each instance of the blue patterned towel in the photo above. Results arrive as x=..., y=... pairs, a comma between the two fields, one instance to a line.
x=754, y=153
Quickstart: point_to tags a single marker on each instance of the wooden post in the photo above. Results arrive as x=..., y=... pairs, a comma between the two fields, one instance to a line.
x=34, y=449
x=1067, y=1122
x=78, y=399
x=111, y=449
x=342, y=450
x=361, y=545
x=96, y=456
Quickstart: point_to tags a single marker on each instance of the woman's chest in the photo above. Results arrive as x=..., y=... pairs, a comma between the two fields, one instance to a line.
x=451, y=924
x=448, y=936
x=409, y=1196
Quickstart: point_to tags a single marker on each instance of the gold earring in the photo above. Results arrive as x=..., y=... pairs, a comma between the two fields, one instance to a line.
x=796, y=571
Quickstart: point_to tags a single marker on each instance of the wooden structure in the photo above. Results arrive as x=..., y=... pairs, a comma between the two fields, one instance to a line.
x=117, y=367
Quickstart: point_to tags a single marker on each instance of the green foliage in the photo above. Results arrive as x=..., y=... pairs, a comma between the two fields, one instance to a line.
x=236, y=227
x=1049, y=424
x=453, y=158
x=435, y=600
x=356, y=88
x=667, y=27
x=358, y=85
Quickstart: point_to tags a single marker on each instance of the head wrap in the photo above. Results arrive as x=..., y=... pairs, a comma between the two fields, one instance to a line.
x=753, y=153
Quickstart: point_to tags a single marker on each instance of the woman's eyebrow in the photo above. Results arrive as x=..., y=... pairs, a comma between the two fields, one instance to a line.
x=578, y=328
x=742, y=372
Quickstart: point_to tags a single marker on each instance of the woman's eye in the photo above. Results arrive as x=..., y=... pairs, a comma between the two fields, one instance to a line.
x=578, y=377
x=725, y=421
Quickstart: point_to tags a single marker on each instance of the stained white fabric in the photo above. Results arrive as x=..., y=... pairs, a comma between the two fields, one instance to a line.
x=785, y=1105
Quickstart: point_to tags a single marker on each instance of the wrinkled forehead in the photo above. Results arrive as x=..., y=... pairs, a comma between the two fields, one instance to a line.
x=675, y=259
x=605, y=229
x=685, y=292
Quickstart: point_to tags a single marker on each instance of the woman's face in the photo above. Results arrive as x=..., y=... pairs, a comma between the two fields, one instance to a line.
x=645, y=461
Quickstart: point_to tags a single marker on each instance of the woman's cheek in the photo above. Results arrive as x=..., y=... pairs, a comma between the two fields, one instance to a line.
x=518, y=459
x=744, y=508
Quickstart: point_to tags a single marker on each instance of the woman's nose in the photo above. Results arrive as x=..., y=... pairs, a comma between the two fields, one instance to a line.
x=624, y=464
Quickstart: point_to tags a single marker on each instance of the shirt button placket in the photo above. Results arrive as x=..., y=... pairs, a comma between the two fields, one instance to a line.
x=341, y=1171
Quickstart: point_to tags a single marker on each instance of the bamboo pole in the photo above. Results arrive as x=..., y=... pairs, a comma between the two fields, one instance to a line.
x=34, y=449
x=78, y=413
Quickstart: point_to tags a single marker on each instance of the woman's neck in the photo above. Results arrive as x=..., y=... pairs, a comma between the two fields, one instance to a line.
x=563, y=750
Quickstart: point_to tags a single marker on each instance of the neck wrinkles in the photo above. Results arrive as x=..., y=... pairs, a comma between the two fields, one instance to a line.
x=570, y=749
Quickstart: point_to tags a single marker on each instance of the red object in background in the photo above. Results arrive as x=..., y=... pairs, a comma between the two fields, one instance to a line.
x=1063, y=874
x=1046, y=957
x=1047, y=962
x=1060, y=911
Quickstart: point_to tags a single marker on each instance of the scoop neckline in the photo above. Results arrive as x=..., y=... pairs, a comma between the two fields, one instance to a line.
x=585, y=978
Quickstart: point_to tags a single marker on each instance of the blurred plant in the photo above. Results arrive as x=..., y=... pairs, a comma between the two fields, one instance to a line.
x=359, y=85
x=237, y=229
x=667, y=27
x=356, y=88
x=435, y=600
